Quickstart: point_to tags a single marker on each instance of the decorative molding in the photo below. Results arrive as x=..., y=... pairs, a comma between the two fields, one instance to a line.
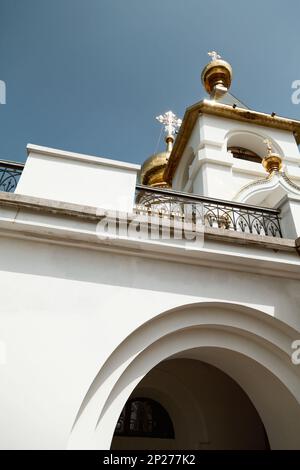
x=290, y=182
x=269, y=183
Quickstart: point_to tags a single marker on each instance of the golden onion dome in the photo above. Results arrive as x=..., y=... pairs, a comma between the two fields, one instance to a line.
x=152, y=171
x=216, y=74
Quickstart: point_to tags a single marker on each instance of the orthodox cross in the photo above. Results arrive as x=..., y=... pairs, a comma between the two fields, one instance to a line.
x=170, y=121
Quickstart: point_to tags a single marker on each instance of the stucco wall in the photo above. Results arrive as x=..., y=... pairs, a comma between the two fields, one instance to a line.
x=64, y=310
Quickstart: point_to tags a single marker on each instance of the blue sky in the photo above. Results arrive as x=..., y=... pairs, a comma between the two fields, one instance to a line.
x=91, y=75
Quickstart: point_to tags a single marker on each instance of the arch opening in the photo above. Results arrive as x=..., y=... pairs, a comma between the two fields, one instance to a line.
x=250, y=146
x=242, y=153
x=204, y=408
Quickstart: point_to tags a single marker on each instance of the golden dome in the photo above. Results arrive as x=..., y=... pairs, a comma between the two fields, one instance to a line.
x=152, y=172
x=217, y=73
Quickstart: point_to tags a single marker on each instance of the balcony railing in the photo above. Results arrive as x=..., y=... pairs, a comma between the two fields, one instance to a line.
x=10, y=173
x=210, y=212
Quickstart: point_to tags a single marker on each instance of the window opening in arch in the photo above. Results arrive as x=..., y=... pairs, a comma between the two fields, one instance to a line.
x=144, y=417
x=245, y=154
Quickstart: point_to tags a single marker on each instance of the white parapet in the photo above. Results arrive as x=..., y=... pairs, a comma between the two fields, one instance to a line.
x=77, y=178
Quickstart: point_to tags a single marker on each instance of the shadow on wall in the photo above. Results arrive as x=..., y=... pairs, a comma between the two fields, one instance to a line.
x=90, y=266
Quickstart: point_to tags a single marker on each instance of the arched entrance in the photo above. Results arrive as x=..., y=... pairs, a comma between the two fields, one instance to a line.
x=203, y=409
x=251, y=347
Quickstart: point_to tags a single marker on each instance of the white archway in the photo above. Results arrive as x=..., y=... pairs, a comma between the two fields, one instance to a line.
x=268, y=191
x=251, y=347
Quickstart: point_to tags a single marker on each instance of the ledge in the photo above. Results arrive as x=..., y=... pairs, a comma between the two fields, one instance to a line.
x=74, y=225
x=47, y=206
x=231, y=236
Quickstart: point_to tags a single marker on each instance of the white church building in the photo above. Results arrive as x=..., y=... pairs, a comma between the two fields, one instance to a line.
x=156, y=307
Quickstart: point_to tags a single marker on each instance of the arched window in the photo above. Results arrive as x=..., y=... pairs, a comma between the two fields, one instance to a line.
x=143, y=417
x=245, y=154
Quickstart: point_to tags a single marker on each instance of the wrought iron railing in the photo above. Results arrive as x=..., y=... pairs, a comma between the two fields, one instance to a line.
x=10, y=173
x=210, y=212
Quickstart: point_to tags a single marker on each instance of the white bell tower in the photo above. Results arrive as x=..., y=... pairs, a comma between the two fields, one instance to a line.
x=227, y=151
x=221, y=144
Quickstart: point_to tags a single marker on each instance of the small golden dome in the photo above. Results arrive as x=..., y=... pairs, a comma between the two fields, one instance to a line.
x=152, y=172
x=272, y=162
x=216, y=75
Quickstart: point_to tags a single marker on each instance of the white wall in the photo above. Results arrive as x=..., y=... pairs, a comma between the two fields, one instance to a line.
x=70, y=300
x=65, y=309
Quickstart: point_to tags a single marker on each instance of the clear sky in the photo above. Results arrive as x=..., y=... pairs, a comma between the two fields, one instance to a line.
x=91, y=75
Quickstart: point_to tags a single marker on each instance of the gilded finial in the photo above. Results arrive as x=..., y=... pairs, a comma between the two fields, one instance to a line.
x=272, y=161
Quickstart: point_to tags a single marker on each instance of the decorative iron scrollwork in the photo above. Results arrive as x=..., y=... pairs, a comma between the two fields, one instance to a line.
x=10, y=173
x=210, y=212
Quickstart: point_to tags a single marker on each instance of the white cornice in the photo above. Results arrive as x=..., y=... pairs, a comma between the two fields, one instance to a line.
x=213, y=258
x=50, y=152
x=221, y=249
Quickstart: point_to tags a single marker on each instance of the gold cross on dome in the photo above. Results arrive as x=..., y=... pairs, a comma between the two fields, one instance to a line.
x=170, y=121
